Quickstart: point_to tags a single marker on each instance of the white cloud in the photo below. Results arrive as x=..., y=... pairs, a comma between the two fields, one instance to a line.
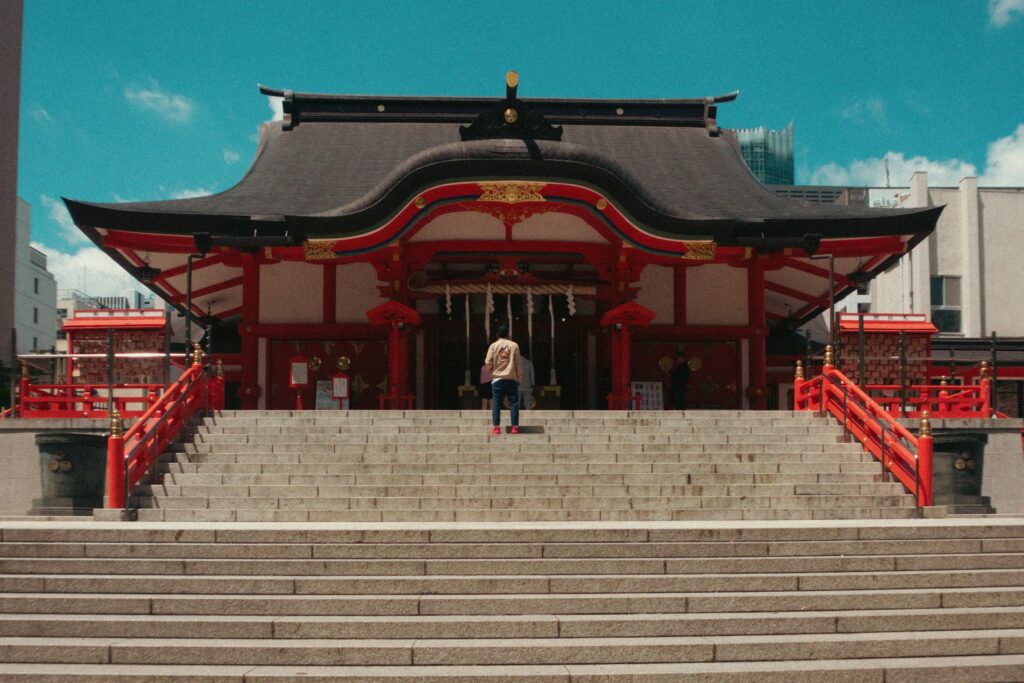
x=1002, y=12
x=1004, y=165
x=191, y=192
x=277, y=106
x=58, y=213
x=231, y=156
x=41, y=115
x=174, y=108
x=871, y=110
x=88, y=269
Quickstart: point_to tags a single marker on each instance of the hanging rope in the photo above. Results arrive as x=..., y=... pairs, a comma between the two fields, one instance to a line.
x=570, y=301
x=551, y=313
x=468, y=367
x=529, y=318
x=508, y=308
x=488, y=309
x=448, y=300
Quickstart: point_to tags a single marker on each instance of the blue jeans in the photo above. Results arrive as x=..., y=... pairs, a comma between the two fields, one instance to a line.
x=500, y=389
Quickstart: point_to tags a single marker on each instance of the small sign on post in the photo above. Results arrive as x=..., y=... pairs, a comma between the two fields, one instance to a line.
x=340, y=390
x=298, y=377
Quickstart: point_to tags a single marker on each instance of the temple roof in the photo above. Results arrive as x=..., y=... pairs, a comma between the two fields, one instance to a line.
x=339, y=165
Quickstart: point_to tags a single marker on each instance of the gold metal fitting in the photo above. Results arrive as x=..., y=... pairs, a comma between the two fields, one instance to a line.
x=944, y=381
x=420, y=202
x=985, y=370
x=24, y=370
x=829, y=357
x=799, y=369
x=344, y=363
x=197, y=354
x=219, y=369
x=511, y=79
x=116, y=425
x=602, y=204
x=925, y=428
x=511, y=115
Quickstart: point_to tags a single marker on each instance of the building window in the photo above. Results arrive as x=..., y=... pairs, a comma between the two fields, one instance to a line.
x=35, y=285
x=35, y=316
x=946, y=306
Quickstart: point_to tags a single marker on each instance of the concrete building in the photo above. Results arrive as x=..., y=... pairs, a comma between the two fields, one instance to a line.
x=35, y=289
x=10, y=86
x=965, y=275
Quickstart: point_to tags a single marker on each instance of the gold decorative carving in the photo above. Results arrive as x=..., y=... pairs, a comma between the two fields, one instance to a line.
x=344, y=363
x=511, y=192
x=420, y=202
x=602, y=204
x=666, y=363
x=315, y=363
x=700, y=250
x=511, y=115
x=695, y=364
x=318, y=250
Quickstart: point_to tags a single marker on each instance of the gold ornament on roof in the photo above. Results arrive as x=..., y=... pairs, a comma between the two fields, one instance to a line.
x=318, y=250
x=511, y=193
x=700, y=250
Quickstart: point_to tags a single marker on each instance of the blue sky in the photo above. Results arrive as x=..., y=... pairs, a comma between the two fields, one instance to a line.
x=145, y=100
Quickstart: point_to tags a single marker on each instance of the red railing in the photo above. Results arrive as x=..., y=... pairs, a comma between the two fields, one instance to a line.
x=131, y=455
x=84, y=400
x=906, y=456
x=7, y=413
x=939, y=400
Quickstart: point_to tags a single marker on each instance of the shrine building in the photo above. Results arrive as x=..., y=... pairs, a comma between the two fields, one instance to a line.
x=389, y=236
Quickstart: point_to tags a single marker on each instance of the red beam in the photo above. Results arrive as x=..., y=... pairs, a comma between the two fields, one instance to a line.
x=196, y=265
x=796, y=264
x=790, y=292
x=209, y=289
x=866, y=246
x=168, y=244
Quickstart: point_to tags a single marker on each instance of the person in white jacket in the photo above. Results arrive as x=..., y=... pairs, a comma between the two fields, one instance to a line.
x=506, y=371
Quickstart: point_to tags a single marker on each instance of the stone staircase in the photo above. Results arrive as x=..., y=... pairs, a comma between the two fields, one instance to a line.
x=438, y=466
x=899, y=601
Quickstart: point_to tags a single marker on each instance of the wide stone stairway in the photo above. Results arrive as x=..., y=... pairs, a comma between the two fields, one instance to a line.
x=428, y=466
x=394, y=547
x=925, y=600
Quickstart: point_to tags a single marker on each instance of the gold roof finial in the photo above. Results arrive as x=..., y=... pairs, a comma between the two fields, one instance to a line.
x=799, y=369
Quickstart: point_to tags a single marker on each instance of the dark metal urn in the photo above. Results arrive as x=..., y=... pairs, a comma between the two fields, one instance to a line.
x=72, y=469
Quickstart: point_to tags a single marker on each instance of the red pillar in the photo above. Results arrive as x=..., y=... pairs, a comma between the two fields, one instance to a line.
x=398, y=318
x=250, y=388
x=756, y=317
x=620, y=319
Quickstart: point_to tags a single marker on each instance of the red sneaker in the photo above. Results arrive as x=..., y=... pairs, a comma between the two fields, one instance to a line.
x=496, y=430
x=515, y=430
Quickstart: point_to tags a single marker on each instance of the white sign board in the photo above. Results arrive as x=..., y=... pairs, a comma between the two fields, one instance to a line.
x=651, y=395
x=324, y=399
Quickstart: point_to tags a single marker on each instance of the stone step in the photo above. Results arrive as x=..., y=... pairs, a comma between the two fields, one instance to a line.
x=777, y=432
x=510, y=566
x=128, y=625
x=510, y=651
x=260, y=549
x=188, y=515
x=876, y=670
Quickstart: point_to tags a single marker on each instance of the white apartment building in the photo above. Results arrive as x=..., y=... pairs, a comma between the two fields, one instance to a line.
x=35, y=289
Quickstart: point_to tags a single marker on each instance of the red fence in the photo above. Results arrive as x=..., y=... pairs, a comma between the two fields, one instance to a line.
x=938, y=400
x=131, y=454
x=906, y=456
x=84, y=400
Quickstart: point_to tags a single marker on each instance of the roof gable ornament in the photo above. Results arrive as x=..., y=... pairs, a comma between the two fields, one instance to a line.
x=511, y=118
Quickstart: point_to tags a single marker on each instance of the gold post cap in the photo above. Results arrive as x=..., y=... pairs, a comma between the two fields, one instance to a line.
x=925, y=428
x=512, y=79
x=829, y=357
x=116, y=425
x=984, y=370
x=197, y=354
x=799, y=369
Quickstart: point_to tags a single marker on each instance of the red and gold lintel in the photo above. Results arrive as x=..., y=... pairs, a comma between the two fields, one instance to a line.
x=511, y=192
